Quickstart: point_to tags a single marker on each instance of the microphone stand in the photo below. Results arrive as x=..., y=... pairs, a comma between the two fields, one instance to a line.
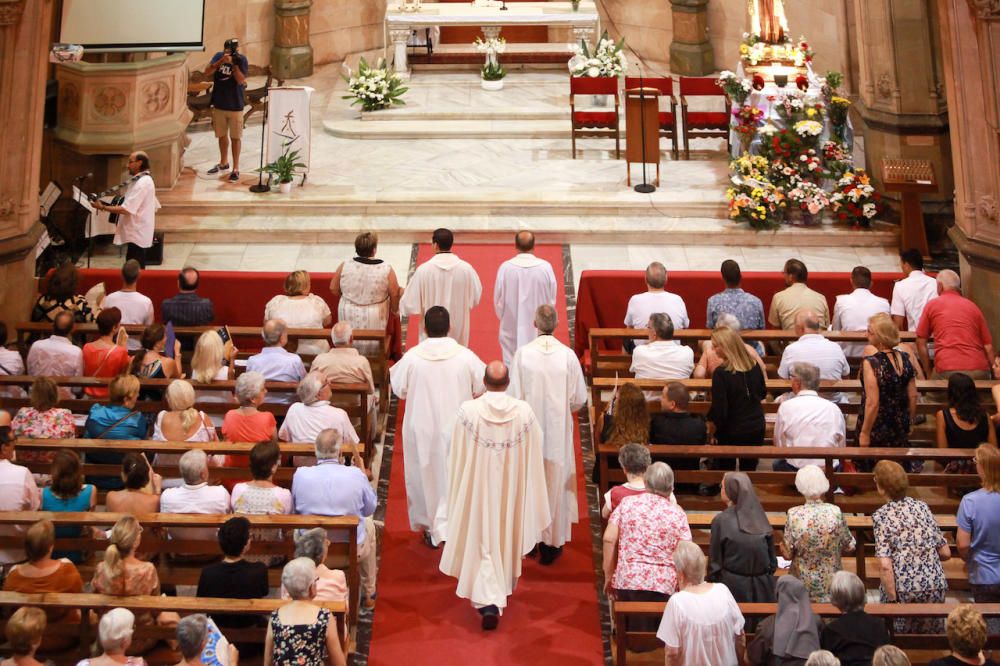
x=644, y=187
x=260, y=186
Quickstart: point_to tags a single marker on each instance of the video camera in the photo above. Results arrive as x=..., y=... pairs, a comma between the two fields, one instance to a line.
x=232, y=45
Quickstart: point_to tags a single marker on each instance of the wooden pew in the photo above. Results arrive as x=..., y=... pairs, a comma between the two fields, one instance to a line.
x=86, y=633
x=241, y=334
x=623, y=611
x=283, y=477
x=343, y=554
x=354, y=393
x=863, y=503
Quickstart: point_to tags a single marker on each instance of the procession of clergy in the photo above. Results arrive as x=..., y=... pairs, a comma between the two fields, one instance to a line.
x=490, y=463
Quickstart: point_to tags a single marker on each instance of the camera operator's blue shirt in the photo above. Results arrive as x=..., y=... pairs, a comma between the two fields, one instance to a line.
x=227, y=94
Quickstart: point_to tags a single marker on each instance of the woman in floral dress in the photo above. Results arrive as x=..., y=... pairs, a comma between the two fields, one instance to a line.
x=815, y=535
x=43, y=420
x=368, y=290
x=300, y=632
x=910, y=548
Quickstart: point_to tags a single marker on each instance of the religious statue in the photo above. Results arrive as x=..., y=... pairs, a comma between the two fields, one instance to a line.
x=767, y=21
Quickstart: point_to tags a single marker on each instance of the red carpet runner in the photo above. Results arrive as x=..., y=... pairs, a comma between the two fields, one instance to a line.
x=552, y=618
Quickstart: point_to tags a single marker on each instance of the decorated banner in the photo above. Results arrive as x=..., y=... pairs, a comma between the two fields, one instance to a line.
x=288, y=123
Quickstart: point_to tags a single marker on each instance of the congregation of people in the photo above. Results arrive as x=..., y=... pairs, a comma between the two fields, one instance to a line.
x=491, y=459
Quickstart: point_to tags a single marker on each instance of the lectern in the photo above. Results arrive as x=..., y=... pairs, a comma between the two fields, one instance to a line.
x=910, y=178
x=642, y=129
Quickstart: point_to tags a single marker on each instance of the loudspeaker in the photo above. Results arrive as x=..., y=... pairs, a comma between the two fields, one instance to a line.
x=154, y=255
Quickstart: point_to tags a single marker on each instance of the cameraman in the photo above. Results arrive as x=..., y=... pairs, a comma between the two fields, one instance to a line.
x=228, y=70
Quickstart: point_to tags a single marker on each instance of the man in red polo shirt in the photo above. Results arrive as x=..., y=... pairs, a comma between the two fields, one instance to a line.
x=962, y=341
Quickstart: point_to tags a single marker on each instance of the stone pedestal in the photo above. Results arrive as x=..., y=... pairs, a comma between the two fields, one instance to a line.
x=690, y=51
x=292, y=55
x=24, y=38
x=970, y=39
x=901, y=107
x=108, y=110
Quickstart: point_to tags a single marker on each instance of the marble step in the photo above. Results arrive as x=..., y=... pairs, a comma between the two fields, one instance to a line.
x=448, y=125
x=341, y=227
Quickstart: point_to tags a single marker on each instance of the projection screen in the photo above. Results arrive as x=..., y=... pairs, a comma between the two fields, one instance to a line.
x=134, y=25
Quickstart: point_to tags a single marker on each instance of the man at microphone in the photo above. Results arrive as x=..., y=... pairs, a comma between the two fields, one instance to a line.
x=137, y=213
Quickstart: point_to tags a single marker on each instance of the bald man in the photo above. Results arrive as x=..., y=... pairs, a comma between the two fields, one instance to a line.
x=497, y=505
x=962, y=340
x=137, y=213
x=523, y=283
x=343, y=364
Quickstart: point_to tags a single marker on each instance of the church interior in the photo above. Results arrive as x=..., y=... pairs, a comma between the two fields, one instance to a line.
x=626, y=184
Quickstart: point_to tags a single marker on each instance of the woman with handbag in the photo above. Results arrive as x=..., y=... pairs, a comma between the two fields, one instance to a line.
x=116, y=420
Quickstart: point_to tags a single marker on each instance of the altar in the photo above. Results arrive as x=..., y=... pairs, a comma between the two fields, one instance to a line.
x=401, y=20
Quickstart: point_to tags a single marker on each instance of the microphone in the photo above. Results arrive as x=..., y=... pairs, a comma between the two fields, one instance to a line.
x=85, y=177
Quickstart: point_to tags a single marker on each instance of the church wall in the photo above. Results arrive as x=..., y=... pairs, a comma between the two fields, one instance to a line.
x=337, y=28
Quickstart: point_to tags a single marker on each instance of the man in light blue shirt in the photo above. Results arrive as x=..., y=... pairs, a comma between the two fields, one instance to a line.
x=331, y=489
x=276, y=363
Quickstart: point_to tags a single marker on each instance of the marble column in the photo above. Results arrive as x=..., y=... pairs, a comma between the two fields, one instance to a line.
x=24, y=38
x=901, y=99
x=292, y=55
x=690, y=51
x=970, y=37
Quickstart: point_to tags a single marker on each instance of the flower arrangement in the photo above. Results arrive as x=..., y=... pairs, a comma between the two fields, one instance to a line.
x=606, y=58
x=492, y=47
x=810, y=165
x=839, y=108
x=736, y=89
x=802, y=53
x=809, y=129
x=761, y=206
x=837, y=159
x=855, y=200
x=809, y=197
x=748, y=118
x=831, y=84
x=790, y=108
x=375, y=87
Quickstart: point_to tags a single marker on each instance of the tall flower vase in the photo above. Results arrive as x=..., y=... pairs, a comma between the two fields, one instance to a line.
x=746, y=140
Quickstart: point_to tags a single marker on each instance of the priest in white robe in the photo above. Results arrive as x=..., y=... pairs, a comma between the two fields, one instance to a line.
x=523, y=283
x=547, y=375
x=435, y=378
x=497, y=504
x=447, y=281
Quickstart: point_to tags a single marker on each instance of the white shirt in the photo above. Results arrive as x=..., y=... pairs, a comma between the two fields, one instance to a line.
x=304, y=422
x=809, y=420
x=55, y=356
x=18, y=492
x=910, y=295
x=663, y=359
x=641, y=306
x=852, y=311
x=137, y=225
x=11, y=364
x=703, y=626
x=202, y=499
x=815, y=349
x=136, y=309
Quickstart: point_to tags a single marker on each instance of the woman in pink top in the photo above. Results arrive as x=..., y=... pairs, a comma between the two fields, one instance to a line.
x=331, y=584
x=107, y=356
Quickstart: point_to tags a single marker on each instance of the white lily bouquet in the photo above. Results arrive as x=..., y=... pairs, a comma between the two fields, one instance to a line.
x=375, y=87
x=606, y=58
x=491, y=47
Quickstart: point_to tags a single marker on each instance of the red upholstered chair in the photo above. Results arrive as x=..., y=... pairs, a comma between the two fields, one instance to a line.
x=594, y=123
x=668, y=119
x=703, y=124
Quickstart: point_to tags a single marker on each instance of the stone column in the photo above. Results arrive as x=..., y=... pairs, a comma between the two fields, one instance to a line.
x=24, y=38
x=690, y=51
x=902, y=105
x=970, y=36
x=292, y=55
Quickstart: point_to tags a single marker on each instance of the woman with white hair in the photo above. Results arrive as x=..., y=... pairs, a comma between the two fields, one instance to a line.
x=192, y=639
x=331, y=584
x=823, y=658
x=300, y=632
x=854, y=635
x=702, y=623
x=181, y=422
x=305, y=420
x=247, y=423
x=815, y=535
x=114, y=634
x=790, y=636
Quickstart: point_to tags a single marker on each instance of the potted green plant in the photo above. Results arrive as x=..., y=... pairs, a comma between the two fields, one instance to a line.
x=283, y=168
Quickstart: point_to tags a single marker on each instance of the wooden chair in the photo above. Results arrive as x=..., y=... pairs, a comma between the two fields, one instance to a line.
x=199, y=99
x=667, y=119
x=703, y=124
x=257, y=97
x=594, y=123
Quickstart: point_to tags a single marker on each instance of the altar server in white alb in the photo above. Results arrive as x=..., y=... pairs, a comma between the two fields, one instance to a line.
x=523, y=283
x=137, y=214
x=547, y=375
x=497, y=504
x=447, y=281
x=434, y=378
